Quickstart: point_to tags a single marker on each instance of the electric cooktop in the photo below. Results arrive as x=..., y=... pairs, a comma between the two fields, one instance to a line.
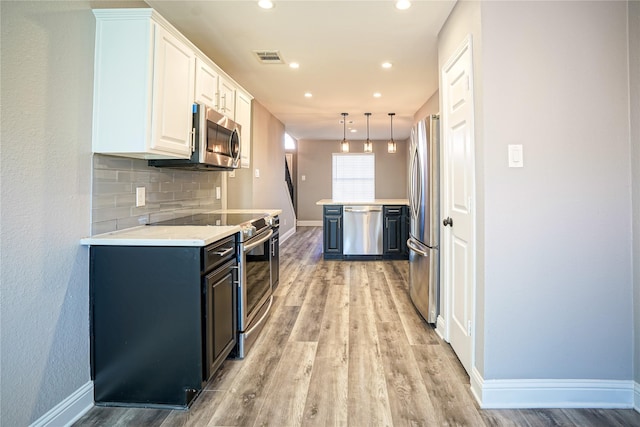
x=215, y=219
x=251, y=224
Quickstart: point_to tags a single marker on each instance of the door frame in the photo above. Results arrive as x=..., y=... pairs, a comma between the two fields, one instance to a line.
x=444, y=321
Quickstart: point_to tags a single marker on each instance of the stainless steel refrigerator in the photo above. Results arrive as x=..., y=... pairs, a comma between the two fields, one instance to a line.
x=424, y=207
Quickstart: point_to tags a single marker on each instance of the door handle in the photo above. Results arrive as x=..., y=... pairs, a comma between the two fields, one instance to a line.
x=448, y=221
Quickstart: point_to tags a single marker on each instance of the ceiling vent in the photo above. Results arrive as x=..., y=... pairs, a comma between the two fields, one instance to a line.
x=269, y=56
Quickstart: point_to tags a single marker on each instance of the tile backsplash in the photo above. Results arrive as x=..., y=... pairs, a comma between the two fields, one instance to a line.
x=170, y=193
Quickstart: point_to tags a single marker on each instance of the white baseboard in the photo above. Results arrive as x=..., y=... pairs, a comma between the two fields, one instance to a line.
x=636, y=397
x=69, y=410
x=526, y=393
x=317, y=223
x=440, y=327
x=289, y=233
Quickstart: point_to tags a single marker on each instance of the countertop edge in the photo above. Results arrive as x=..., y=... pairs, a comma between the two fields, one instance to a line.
x=112, y=239
x=375, y=202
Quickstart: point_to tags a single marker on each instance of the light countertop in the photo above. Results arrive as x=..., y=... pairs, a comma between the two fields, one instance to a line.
x=163, y=235
x=171, y=235
x=374, y=202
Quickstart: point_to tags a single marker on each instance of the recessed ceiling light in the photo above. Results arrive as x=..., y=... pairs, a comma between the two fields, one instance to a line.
x=308, y=95
x=387, y=65
x=294, y=65
x=403, y=4
x=377, y=95
x=267, y=4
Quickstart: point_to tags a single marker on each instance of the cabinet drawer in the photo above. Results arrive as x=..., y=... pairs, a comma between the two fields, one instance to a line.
x=333, y=210
x=219, y=252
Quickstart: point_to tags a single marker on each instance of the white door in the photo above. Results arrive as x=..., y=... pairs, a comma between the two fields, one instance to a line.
x=459, y=194
x=173, y=89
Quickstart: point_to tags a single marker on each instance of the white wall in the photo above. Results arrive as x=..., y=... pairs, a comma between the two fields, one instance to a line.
x=47, y=86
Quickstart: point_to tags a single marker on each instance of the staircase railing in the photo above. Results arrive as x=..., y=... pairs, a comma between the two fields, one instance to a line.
x=289, y=180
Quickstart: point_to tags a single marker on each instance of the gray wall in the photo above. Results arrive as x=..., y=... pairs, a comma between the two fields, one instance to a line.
x=555, y=277
x=46, y=98
x=634, y=85
x=558, y=272
x=170, y=193
x=314, y=162
x=269, y=190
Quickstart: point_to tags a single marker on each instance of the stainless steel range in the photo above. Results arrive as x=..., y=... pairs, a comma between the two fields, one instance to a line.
x=255, y=288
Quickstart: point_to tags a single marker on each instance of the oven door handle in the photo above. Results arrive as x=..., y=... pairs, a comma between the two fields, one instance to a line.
x=259, y=242
x=264, y=316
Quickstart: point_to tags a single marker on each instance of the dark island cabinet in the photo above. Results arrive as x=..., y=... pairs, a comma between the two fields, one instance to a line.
x=396, y=232
x=162, y=321
x=332, y=227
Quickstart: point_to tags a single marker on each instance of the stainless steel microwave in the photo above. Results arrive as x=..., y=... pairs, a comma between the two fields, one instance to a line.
x=216, y=143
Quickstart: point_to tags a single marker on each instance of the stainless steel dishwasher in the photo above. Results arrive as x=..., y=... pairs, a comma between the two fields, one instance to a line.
x=362, y=231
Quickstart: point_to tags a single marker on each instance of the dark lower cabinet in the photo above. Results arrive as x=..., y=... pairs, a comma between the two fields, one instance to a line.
x=332, y=232
x=162, y=321
x=396, y=232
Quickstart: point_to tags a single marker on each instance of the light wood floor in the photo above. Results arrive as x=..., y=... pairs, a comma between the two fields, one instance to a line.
x=345, y=347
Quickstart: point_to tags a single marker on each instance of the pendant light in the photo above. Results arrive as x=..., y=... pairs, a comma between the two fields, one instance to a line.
x=344, y=145
x=391, y=145
x=368, y=145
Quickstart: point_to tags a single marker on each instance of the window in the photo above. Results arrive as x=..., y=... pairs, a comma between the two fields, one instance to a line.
x=289, y=143
x=354, y=177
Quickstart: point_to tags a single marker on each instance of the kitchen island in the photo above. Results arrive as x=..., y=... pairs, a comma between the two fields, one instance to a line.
x=362, y=230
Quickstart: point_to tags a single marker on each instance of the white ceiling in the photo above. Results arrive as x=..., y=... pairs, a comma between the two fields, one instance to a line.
x=340, y=46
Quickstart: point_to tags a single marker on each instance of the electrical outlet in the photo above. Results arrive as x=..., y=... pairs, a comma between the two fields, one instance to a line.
x=140, y=196
x=232, y=174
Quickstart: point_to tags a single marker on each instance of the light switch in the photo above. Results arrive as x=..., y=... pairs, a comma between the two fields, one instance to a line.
x=303, y=177
x=257, y=173
x=516, y=157
x=218, y=193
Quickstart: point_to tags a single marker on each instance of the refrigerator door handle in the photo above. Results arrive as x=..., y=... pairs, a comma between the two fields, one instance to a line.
x=415, y=248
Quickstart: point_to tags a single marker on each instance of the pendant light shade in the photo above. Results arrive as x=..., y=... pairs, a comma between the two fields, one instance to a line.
x=368, y=145
x=344, y=145
x=391, y=145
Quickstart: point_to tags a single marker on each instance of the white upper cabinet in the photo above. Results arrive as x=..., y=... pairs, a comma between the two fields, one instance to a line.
x=213, y=89
x=243, y=118
x=144, y=77
x=147, y=76
x=206, y=83
x=173, y=82
x=227, y=104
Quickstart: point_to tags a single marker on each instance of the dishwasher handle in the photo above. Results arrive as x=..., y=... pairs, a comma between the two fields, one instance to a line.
x=362, y=209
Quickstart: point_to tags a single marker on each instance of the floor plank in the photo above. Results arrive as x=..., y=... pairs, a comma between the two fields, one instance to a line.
x=289, y=386
x=327, y=402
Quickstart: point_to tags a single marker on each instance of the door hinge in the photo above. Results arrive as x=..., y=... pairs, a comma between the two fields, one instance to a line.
x=469, y=327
